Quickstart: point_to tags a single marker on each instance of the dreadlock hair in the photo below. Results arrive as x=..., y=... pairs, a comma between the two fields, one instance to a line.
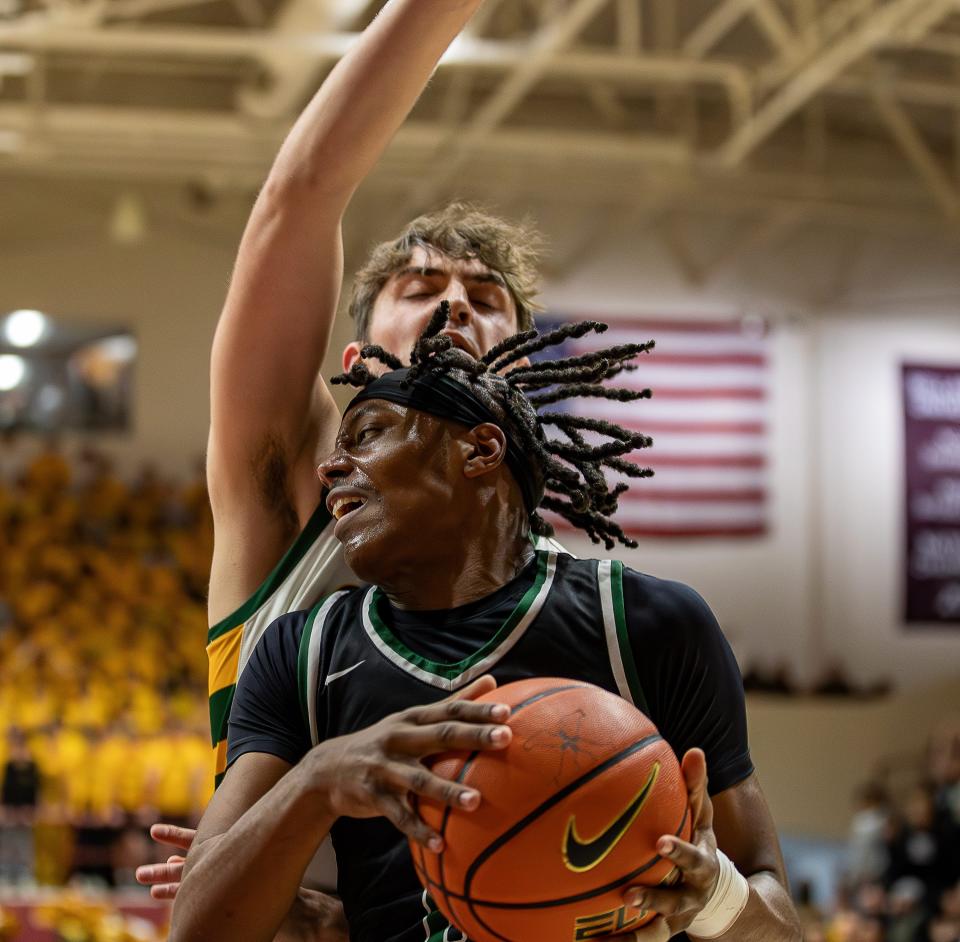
x=570, y=469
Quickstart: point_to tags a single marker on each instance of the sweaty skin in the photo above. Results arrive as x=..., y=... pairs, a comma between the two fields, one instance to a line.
x=268, y=817
x=410, y=470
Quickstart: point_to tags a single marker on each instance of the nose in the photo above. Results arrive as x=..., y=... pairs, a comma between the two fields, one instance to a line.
x=460, y=310
x=333, y=468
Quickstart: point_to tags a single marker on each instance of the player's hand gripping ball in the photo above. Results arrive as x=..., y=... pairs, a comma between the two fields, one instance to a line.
x=570, y=815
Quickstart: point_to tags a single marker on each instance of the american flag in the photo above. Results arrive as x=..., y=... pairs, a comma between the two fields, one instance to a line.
x=707, y=417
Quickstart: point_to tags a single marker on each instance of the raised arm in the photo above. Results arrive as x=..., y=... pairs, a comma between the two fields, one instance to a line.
x=269, y=410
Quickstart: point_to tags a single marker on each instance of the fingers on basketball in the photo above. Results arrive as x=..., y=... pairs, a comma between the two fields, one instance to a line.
x=570, y=816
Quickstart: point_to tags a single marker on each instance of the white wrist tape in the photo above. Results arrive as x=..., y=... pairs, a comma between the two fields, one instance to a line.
x=726, y=903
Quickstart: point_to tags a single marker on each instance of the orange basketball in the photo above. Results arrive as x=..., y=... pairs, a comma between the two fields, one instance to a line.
x=570, y=815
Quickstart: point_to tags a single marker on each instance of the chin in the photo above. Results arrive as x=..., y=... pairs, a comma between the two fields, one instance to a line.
x=365, y=553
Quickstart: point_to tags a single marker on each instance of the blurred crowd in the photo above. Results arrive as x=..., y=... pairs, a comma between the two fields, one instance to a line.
x=902, y=875
x=103, y=716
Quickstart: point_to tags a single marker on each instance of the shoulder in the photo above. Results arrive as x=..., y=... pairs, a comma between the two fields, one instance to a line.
x=666, y=614
x=663, y=603
x=286, y=632
x=266, y=715
x=286, y=627
x=278, y=647
x=665, y=598
x=688, y=673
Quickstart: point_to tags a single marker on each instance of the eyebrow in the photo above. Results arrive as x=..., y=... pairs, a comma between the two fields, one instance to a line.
x=355, y=415
x=365, y=408
x=488, y=277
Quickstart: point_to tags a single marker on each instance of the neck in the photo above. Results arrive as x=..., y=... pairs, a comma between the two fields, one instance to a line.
x=459, y=573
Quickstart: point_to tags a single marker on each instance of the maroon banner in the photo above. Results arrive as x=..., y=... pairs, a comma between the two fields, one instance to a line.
x=931, y=407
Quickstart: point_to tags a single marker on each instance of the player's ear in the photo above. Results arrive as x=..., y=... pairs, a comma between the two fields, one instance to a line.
x=486, y=448
x=351, y=353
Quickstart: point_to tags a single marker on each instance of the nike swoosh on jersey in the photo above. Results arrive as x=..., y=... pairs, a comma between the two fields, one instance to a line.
x=335, y=675
x=580, y=855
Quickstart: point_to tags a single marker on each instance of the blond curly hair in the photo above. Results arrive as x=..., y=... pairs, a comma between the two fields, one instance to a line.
x=459, y=231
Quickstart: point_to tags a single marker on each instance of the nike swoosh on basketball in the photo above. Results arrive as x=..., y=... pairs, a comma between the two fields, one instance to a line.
x=580, y=855
x=334, y=676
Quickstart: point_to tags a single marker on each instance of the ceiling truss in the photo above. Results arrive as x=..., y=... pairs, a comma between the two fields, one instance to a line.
x=847, y=110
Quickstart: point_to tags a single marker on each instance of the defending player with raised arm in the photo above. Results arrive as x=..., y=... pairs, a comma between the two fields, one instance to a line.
x=339, y=703
x=271, y=413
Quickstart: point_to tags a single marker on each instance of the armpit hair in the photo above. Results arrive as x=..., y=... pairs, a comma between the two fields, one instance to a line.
x=271, y=467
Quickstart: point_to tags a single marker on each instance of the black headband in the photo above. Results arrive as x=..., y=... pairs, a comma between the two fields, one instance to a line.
x=440, y=395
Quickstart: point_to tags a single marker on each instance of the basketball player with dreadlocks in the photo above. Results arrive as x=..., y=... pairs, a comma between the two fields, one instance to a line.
x=436, y=481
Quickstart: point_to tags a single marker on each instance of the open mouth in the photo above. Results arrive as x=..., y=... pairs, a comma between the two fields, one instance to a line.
x=462, y=343
x=341, y=506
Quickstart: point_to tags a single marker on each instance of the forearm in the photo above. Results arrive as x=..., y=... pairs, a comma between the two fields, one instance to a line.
x=348, y=124
x=239, y=885
x=282, y=301
x=769, y=915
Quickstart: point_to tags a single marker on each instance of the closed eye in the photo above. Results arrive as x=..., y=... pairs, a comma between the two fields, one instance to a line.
x=366, y=432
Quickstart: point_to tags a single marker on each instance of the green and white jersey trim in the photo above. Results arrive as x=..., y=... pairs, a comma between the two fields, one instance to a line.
x=453, y=676
x=308, y=662
x=435, y=925
x=610, y=584
x=549, y=544
x=319, y=571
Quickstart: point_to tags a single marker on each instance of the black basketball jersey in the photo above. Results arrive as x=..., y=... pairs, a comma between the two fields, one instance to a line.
x=341, y=667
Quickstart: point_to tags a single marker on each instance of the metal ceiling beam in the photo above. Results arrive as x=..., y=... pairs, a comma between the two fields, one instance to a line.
x=292, y=76
x=297, y=54
x=552, y=39
x=629, y=26
x=119, y=10
x=775, y=27
x=529, y=66
x=918, y=26
x=457, y=99
x=816, y=44
x=224, y=139
x=190, y=144
x=714, y=26
x=726, y=15
x=170, y=41
x=815, y=76
x=838, y=18
x=907, y=90
x=915, y=149
x=325, y=47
